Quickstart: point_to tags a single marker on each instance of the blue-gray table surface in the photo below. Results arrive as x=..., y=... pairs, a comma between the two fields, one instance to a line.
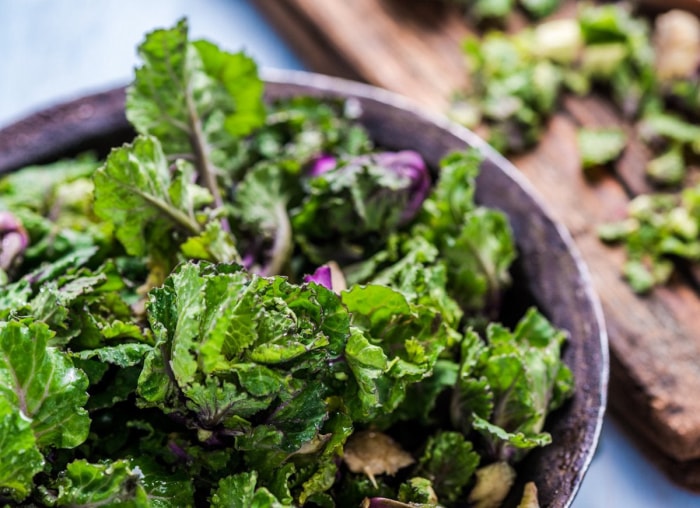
x=57, y=50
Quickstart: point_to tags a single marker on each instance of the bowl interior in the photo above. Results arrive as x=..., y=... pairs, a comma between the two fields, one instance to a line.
x=549, y=268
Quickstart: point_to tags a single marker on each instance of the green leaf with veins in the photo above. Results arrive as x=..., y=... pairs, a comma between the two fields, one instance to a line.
x=419, y=276
x=478, y=259
x=163, y=488
x=392, y=344
x=121, y=355
x=197, y=99
x=228, y=342
x=135, y=191
x=21, y=457
x=42, y=383
x=449, y=461
x=237, y=74
x=86, y=309
x=14, y=297
x=508, y=385
x=108, y=484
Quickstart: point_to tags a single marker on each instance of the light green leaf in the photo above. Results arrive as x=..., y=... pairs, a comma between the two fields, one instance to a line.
x=322, y=480
x=600, y=146
x=238, y=74
x=197, y=99
x=134, y=191
x=478, y=259
x=42, y=384
x=519, y=440
x=21, y=457
x=213, y=244
x=121, y=355
x=367, y=363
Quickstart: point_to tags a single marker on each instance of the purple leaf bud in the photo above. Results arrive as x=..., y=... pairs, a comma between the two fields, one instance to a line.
x=322, y=277
x=13, y=239
x=410, y=165
x=322, y=164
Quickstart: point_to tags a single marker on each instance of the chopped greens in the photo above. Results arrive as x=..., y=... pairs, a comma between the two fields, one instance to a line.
x=249, y=304
x=650, y=74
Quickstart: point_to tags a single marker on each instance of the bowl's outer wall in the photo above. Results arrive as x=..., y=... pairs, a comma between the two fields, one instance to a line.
x=552, y=267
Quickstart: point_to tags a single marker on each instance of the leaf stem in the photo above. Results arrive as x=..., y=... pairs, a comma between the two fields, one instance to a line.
x=205, y=168
x=282, y=246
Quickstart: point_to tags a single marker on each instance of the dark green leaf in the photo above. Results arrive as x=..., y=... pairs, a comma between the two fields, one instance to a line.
x=449, y=461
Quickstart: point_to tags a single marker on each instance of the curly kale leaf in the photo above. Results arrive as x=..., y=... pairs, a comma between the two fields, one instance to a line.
x=136, y=192
x=475, y=243
x=231, y=345
x=508, y=384
x=392, y=345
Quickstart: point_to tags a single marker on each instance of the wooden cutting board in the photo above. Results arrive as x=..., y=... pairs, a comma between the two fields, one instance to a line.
x=414, y=47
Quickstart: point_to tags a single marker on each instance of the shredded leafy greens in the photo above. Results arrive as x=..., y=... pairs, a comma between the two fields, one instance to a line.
x=650, y=76
x=163, y=344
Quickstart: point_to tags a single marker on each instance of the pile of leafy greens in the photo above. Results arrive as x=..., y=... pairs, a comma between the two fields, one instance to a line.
x=250, y=305
x=651, y=76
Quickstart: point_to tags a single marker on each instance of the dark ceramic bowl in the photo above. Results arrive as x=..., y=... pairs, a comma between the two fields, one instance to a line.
x=549, y=271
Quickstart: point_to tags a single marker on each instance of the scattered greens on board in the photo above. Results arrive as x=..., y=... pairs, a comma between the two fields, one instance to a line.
x=498, y=10
x=175, y=328
x=517, y=84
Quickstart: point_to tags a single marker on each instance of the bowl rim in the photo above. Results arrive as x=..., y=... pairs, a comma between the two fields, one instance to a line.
x=67, y=124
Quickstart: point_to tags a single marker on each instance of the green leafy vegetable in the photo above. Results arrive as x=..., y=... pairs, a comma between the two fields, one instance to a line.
x=42, y=384
x=144, y=362
x=196, y=99
x=135, y=191
x=600, y=146
x=109, y=484
x=660, y=227
x=508, y=385
x=517, y=81
x=22, y=457
x=449, y=461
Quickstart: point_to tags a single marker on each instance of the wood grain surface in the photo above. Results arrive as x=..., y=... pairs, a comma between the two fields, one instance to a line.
x=414, y=47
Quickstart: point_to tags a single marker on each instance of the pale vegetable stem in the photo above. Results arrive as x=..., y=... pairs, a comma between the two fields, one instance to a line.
x=282, y=247
x=204, y=166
